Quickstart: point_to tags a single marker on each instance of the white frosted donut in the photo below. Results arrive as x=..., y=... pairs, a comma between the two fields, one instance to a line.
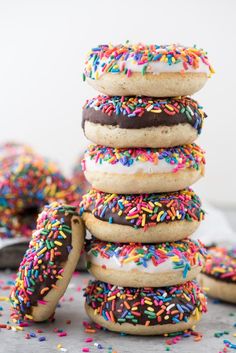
x=145, y=311
x=150, y=265
x=145, y=218
x=148, y=70
x=143, y=170
x=48, y=264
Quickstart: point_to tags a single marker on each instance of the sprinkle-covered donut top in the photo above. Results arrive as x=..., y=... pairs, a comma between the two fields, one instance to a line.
x=221, y=264
x=145, y=210
x=146, y=306
x=179, y=255
x=127, y=58
x=42, y=265
x=106, y=159
x=30, y=180
x=142, y=112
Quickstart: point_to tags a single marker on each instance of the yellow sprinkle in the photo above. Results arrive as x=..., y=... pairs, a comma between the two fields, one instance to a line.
x=120, y=213
x=150, y=308
x=62, y=234
x=187, y=298
x=158, y=204
x=143, y=220
x=111, y=298
x=132, y=258
x=146, y=209
x=4, y=299
x=58, y=243
x=109, y=198
x=42, y=251
x=169, y=107
x=156, y=110
x=131, y=217
x=159, y=215
x=18, y=328
x=30, y=317
x=147, y=302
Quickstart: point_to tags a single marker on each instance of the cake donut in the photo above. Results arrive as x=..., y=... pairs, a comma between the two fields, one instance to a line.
x=143, y=170
x=27, y=182
x=219, y=273
x=144, y=218
x=142, y=121
x=145, y=311
x=48, y=264
x=149, y=70
x=145, y=265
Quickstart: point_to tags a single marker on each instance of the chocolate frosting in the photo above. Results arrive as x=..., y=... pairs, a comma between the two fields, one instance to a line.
x=148, y=119
x=157, y=306
x=185, y=202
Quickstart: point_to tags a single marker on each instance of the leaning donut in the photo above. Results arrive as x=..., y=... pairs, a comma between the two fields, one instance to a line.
x=48, y=264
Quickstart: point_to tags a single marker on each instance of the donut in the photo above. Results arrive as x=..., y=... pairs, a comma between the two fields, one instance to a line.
x=145, y=311
x=219, y=273
x=27, y=182
x=123, y=122
x=144, y=218
x=148, y=70
x=145, y=265
x=143, y=170
x=48, y=264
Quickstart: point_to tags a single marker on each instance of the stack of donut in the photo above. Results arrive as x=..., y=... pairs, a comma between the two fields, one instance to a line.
x=140, y=209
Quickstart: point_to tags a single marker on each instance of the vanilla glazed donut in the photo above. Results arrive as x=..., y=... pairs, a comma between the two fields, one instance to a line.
x=145, y=311
x=219, y=273
x=147, y=70
x=48, y=264
x=144, y=218
x=27, y=182
x=142, y=121
x=145, y=265
x=143, y=170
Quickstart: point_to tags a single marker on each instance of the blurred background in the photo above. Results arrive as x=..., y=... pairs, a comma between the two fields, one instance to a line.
x=43, y=44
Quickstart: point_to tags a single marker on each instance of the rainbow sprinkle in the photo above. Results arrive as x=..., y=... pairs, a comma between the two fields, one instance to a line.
x=183, y=254
x=137, y=107
x=146, y=306
x=114, y=58
x=187, y=156
x=221, y=263
x=145, y=210
x=42, y=265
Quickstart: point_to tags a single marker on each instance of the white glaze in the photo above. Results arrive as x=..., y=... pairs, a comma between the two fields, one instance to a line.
x=137, y=167
x=113, y=263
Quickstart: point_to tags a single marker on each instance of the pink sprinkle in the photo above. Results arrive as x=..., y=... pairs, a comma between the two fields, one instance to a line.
x=24, y=324
x=89, y=339
x=62, y=334
x=85, y=349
